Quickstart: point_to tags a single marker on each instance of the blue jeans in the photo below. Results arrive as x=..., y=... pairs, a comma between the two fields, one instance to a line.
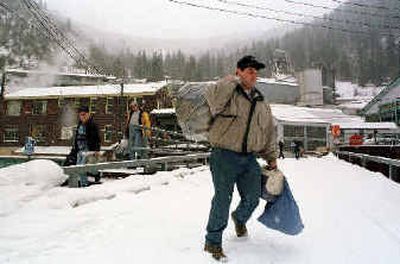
x=227, y=168
x=135, y=142
x=81, y=159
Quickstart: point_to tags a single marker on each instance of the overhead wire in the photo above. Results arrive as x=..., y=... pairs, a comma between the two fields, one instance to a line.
x=14, y=12
x=327, y=18
x=363, y=5
x=58, y=36
x=52, y=37
x=70, y=42
x=282, y=20
x=51, y=27
x=47, y=33
x=6, y=7
x=358, y=12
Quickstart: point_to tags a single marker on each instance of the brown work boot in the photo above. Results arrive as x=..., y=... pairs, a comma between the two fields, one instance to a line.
x=216, y=252
x=241, y=230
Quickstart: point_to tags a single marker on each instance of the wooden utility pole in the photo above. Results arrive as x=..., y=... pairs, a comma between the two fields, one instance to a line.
x=3, y=84
x=121, y=108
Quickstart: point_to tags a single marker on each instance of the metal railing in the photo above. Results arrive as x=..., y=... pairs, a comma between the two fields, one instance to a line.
x=75, y=171
x=393, y=165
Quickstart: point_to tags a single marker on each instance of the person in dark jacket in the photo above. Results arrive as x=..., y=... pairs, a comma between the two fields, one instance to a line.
x=281, y=145
x=297, y=148
x=87, y=139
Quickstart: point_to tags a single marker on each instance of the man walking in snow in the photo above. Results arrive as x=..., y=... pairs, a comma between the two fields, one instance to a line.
x=281, y=145
x=242, y=129
x=87, y=139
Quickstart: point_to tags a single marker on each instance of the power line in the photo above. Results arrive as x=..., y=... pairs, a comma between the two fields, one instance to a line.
x=358, y=12
x=52, y=33
x=14, y=12
x=46, y=35
x=346, y=21
x=358, y=4
x=52, y=37
x=223, y=10
x=49, y=26
x=3, y=5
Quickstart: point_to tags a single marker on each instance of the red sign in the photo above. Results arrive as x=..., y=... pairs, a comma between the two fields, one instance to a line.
x=335, y=130
x=356, y=140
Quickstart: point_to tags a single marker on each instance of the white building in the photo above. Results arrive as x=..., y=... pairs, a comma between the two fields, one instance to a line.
x=311, y=126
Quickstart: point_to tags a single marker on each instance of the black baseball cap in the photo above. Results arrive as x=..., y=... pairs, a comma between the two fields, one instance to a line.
x=83, y=108
x=249, y=61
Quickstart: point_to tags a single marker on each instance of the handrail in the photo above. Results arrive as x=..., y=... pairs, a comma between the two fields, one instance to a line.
x=93, y=168
x=366, y=157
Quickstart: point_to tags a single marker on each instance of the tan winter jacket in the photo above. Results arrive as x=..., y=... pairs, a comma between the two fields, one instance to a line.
x=234, y=127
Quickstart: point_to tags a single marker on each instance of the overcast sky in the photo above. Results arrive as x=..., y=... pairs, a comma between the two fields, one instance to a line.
x=164, y=19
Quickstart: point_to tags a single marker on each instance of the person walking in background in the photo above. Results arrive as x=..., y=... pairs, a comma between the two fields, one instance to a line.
x=296, y=149
x=146, y=132
x=293, y=147
x=87, y=139
x=242, y=129
x=137, y=131
x=281, y=146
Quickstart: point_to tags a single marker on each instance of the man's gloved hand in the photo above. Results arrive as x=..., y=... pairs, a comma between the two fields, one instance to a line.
x=272, y=165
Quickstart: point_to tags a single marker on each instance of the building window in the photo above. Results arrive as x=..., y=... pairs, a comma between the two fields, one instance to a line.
x=293, y=131
x=39, y=107
x=62, y=102
x=77, y=103
x=67, y=132
x=109, y=105
x=11, y=135
x=14, y=108
x=108, y=133
x=38, y=132
x=316, y=132
x=93, y=105
x=138, y=100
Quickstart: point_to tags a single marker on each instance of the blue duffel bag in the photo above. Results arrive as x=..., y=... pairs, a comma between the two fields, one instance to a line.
x=282, y=213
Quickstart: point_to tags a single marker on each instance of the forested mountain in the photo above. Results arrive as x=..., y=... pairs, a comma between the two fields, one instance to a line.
x=369, y=50
x=359, y=40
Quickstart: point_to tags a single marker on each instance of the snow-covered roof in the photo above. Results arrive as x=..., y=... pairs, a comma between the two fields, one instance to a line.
x=83, y=91
x=71, y=74
x=369, y=125
x=289, y=82
x=356, y=104
x=308, y=115
x=293, y=113
x=163, y=111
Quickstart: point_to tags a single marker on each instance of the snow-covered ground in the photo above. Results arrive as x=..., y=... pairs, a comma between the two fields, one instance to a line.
x=351, y=215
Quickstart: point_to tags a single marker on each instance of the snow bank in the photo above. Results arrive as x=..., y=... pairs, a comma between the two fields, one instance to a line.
x=42, y=173
x=35, y=185
x=22, y=183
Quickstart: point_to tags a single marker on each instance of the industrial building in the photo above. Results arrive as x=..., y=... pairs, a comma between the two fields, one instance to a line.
x=385, y=107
